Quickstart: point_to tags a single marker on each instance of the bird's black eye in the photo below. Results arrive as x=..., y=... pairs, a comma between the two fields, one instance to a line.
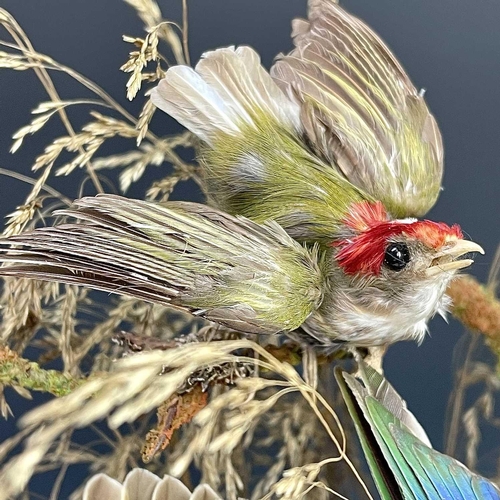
x=396, y=256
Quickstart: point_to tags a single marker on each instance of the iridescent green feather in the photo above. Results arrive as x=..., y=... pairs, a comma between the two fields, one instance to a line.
x=393, y=443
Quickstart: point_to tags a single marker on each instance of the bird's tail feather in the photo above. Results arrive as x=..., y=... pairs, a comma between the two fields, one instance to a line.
x=228, y=87
x=402, y=462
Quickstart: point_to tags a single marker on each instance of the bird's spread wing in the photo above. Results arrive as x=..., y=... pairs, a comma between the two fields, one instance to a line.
x=401, y=459
x=251, y=277
x=360, y=111
x=255, y=161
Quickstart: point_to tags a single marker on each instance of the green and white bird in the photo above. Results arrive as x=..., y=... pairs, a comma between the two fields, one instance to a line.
x=313, y=173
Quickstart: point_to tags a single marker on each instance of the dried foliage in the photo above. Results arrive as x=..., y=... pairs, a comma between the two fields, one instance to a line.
x=236, y=411
x=471, y=406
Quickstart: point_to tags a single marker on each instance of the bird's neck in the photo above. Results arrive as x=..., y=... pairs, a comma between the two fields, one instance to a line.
x=364, y=317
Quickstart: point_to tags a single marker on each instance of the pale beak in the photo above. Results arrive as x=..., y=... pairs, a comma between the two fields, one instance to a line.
x=445, y=260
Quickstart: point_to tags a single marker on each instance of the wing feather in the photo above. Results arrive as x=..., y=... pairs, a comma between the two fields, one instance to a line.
x=228, y=88
x=251, y=277
x=360, y=110
x=397, y=449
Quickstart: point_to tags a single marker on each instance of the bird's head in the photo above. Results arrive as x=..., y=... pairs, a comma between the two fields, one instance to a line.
x=392, y=254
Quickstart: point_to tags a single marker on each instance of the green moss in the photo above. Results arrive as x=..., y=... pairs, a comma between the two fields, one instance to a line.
x=28, y=375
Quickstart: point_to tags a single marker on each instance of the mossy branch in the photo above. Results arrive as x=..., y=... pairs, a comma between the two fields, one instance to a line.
x=19, y=372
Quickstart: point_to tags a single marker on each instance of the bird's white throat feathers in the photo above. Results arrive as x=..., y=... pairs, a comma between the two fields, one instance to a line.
x=369, y=318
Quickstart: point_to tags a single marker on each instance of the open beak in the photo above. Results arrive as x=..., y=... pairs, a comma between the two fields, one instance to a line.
x=446, y=259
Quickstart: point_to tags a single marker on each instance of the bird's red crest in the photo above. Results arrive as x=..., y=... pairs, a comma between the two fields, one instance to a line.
x=365, y=214
x=364, y=252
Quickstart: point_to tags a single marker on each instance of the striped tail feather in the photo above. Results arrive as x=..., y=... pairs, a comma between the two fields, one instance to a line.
x=251, y=277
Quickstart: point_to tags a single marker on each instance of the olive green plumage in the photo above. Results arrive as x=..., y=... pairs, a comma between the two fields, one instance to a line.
x=267, y=173
x=339, y=122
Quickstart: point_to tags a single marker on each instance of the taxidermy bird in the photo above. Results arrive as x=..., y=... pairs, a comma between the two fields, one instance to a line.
x=399, y=454
x=314, y=174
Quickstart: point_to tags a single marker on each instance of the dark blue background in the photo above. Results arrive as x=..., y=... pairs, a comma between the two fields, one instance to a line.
x=450, y=47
